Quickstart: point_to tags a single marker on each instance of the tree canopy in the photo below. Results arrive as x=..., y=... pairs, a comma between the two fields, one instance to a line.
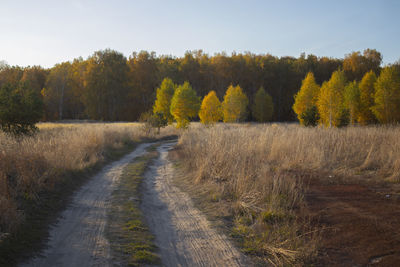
x=109, y=86
x=263, y=107
x=387, y=96
x=234, y=106
x=163, y=99
x=211, y=109
x=352, y=101
x=330, y=101
x=20, y=109
x=367, y=91
x=306, y=97
x=185, y=105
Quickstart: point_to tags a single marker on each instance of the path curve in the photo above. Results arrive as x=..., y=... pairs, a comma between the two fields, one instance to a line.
x=78, y=238
x=182, y=233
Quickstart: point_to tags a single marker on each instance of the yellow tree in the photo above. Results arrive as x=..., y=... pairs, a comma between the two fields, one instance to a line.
x=367, y=92
x=306, y=97
x=330, y=101
x=352, y=100
x=162, y=104
x=235, y=104
x=210, y=111
x=185, y=105
x=387, y=96
x=262, y=107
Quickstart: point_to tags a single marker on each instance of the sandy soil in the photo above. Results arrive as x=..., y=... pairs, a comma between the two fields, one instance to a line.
x=183, y=234
x=361, y=224
x=78, y=237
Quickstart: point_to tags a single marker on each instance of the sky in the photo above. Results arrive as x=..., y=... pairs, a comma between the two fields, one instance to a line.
x=49, y=32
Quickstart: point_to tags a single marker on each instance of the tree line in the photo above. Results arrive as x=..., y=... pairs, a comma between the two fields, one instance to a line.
x=108, y=86
x=339, y=102
x=180, y=103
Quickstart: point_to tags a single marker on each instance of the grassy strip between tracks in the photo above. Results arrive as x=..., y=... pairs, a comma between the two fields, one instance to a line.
x=130, y=239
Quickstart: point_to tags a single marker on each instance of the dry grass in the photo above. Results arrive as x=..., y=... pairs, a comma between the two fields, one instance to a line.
x=32, y=165
x=253, y=171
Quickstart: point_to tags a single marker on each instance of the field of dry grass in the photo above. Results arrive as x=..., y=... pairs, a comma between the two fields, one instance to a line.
x=32, y=165
x=252, y=173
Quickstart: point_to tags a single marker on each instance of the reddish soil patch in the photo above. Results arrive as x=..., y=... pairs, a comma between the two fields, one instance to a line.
x=361, y=224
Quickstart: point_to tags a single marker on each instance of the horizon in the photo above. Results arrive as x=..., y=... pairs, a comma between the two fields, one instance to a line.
x=59, y=32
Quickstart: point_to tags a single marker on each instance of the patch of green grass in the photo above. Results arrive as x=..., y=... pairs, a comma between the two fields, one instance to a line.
x=131, y=242
x=144, y=257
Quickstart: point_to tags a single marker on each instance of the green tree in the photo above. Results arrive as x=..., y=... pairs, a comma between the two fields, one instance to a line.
x=211, y=110
x=387, y=96
x=153, y=120
x=163, y=100
x=306, y=97
x=20, y=109
x=310, y=116
x=330, y=101
x=367, y=91
x=234, y=106
x=185, y=105
x=34, y=77
x=263, y=106
x=352, y=101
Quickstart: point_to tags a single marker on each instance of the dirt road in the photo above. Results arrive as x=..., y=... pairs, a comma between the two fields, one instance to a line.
x=78, y=237
x=182, y=232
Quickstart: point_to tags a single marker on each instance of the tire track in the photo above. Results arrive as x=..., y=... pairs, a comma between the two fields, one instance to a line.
x=183, y=234
x=78, y=237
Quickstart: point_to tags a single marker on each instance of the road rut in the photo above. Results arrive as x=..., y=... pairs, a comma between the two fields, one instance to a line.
x=78, y=238
x=182, y=233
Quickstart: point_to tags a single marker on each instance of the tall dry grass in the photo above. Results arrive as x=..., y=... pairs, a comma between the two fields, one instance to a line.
x=251, y=170
x=32, y=165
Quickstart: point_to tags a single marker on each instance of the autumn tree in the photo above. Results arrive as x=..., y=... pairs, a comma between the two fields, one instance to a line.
x=142, y=80
x=263, y=106
x=162, y=104
x=330, y=101
x=106, y=88
x=387, y=96
x=54, y=93
x=352, y=101
x=306, y=97
x=367, y=91
x=10, y=75
x=234, y=106
x=185, y=105
x=355, y=64
x=211, y=110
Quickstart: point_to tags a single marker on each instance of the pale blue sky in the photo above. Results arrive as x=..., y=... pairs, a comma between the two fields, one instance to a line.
x=48, y=32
